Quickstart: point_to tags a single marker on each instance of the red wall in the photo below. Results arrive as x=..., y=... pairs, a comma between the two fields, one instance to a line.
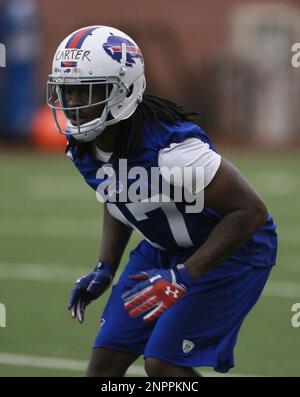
x=176, y=36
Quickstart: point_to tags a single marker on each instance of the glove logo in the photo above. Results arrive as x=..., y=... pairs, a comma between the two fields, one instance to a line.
x=187, y=346
x=169, y=292
x=155, y=278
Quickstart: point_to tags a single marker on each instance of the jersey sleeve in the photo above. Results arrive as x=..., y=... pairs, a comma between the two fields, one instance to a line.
x=192, y=153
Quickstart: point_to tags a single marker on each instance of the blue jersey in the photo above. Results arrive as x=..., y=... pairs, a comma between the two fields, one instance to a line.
x=167, y=225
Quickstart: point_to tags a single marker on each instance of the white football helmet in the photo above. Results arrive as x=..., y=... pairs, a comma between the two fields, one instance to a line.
x=91, y=56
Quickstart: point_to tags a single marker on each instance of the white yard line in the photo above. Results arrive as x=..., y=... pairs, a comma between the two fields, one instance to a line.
x=57, y=188
x=277, y=183
x=61, y=273
x=36, y=272
x=24, y=225
x=41, y=187
x=74, y=365
x=283, y=289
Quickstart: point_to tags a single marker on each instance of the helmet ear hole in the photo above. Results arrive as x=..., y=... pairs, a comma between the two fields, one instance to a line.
x=109, y=89
x=109, y=116
x=130, y=90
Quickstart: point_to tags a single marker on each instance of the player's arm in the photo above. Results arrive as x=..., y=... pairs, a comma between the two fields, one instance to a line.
x=115, y=237
x=244, y=213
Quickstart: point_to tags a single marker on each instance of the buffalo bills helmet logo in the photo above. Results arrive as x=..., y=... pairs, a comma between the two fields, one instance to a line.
x=113, y=47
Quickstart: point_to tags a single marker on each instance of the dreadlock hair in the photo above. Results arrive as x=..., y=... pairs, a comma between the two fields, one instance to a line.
x=152, y=109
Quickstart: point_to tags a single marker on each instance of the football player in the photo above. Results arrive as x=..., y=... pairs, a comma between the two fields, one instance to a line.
x=191, y=281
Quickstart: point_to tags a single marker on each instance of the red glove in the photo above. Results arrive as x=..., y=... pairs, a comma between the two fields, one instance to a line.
x=159, y=290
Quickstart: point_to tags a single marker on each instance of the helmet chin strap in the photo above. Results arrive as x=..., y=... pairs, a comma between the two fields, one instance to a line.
x=88, y=131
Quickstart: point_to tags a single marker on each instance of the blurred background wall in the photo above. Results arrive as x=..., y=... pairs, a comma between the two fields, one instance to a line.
x=228, y=59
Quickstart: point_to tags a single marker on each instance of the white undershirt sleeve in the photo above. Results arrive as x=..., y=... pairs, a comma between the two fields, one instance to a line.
x=192, y=153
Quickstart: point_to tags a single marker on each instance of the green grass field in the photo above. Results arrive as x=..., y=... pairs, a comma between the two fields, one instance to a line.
x=50, y=231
